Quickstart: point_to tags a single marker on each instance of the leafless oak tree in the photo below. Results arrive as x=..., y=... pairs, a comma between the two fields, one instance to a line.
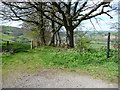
x=68, y=14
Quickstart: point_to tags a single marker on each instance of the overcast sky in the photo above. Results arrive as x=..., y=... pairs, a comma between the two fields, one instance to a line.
x=104, y=24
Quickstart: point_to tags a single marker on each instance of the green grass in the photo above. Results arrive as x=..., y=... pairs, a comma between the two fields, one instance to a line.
x=94, y=61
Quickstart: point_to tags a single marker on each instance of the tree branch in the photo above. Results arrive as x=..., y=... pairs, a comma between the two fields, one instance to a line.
x=21, y=18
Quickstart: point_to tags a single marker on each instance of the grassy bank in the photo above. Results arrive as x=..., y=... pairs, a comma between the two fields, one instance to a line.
x=93, y=61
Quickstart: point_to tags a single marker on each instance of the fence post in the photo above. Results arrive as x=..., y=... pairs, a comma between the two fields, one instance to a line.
x=8, y=46
x=108, y=45
x=31, y=44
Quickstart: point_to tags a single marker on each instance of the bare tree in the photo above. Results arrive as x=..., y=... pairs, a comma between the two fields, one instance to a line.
x=24, y=11
x=71, y=14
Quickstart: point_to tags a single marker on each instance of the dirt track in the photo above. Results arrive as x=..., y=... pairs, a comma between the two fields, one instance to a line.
x=49, y=79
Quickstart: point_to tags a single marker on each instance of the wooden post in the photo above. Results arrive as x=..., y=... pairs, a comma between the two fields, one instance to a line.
x=108, y=45
x=8, y=46
x=31, y=44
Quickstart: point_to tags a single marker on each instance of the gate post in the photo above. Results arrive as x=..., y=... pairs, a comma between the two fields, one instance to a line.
x=108, y=45
x=31, y=44
x=8, y=46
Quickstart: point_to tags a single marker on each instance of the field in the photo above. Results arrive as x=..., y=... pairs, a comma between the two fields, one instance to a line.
x=99, y=41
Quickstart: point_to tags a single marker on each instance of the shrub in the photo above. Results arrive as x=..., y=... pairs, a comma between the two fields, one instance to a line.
x=83, y=43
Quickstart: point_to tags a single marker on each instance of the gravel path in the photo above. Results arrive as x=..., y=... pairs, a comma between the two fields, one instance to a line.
x=48, y=79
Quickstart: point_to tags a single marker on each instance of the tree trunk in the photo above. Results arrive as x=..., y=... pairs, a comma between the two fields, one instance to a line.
x=42, y=34
x=52, y=41
x=70, y=35
x=42, y=26
x=56, y=39
x=71, y=39
x=59, y=38
x=67, y=37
